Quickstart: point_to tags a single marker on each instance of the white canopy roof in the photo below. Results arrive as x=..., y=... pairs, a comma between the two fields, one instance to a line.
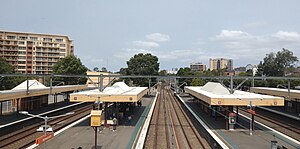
x=33, y=84
x=214, y=94
x=119, y=92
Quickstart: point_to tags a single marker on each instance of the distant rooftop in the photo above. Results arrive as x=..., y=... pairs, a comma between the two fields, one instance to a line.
x=44, y=34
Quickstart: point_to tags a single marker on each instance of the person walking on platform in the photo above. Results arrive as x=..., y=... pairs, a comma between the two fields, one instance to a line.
x=114, y=124
x=129, y=120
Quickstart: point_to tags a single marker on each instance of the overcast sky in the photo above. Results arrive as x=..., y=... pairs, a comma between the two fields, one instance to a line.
x=179, y=32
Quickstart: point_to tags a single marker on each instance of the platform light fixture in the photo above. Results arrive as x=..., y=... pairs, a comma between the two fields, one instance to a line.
x=45, y=128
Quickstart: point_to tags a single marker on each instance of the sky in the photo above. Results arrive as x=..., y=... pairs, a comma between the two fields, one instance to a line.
x=178, y=32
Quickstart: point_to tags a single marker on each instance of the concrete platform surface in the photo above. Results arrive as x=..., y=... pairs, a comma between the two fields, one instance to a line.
x=82, y=135
x=239, y=138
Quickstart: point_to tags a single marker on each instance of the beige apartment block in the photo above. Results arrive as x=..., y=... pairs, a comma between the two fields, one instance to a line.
x=198, y=67
x=95, y=81
x=221, y=63
x=34, y=53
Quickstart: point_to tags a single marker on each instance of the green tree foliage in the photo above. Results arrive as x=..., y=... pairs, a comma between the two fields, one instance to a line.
x=103, y=69
x=70, y=65
x=7, y=83
x=163, y=73
x=141, y=64
x=198, y=82
x=5, y=68
x=96, y=69
x=275, y=64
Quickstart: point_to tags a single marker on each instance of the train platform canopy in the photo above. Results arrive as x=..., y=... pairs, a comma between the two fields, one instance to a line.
x=294, y=94
x=36, y=88
x=216, y=94
x=119, y=92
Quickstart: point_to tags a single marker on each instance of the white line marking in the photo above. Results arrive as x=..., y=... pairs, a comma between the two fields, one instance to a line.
x=277, y=112
x=63, y=129
x=15, y=122
x=143, y=134
x=217, y=139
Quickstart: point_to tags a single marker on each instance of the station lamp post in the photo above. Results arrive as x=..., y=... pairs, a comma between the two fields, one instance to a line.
x=252, y=112
x=45, y=127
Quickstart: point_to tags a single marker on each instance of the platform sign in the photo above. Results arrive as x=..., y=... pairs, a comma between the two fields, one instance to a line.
x=96, y=118
x=44, y=138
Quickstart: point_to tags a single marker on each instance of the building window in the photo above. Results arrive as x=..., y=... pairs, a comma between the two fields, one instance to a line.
x=33, y=38
x=10, y=37
x=21, y=62
x=22, y=52
x=61, y=54
x=62, y=45
x=22, y=42
x=22, y=57
x=62, y=50
x=22, y=38
x=47, y=39
x=59, y=40
x=22, y=48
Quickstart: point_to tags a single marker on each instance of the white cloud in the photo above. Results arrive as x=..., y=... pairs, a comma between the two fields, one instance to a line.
x=158, y=37
x=146, y=44
x=227, y=35
x=287, y=36
x=243, y=46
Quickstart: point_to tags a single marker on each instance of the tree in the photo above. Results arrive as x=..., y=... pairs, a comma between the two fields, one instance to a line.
x=70, y=65
x=277, y=64
x=163, y=73
x=96, y=69
x=197, y=82
x=6, y=68
x=103, y=69
x=142, y=64
x=7, y=83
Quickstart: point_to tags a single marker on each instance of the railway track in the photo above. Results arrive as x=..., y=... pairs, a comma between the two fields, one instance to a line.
x=171, y=127
x=283, y=124
x=26, y=136
x=189, y=135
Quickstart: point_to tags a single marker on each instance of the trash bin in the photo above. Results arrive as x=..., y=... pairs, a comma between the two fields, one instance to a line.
x=273, y=144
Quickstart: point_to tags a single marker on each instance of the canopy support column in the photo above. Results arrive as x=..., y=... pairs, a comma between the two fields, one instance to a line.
x=106, y=114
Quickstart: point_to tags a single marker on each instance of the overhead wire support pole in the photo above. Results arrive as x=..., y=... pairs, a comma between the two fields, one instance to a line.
x=289, y=88
x=101, y=82
x=231, y=85
x=27, y=85
x=51, y=85
x=237, y=87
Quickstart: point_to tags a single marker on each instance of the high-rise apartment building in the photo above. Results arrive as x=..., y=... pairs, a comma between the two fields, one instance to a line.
x=221, y=63
x=32, y=52
x=198, y=67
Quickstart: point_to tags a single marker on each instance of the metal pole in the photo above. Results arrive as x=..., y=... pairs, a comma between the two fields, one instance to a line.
x=18, y=105
x=51, y=86
x=289, y=88
x=101, y=82
x=250, y=127
x=1, y=108
x=45, y=129
x=95, y=138
x=231, y=84
x=252, y=81
x=237, y=113
x=27, y=86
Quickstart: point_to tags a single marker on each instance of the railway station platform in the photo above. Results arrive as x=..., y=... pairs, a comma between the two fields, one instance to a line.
x=282, y=111
x=11, y=118
x=238, y=138
x=82, y=134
